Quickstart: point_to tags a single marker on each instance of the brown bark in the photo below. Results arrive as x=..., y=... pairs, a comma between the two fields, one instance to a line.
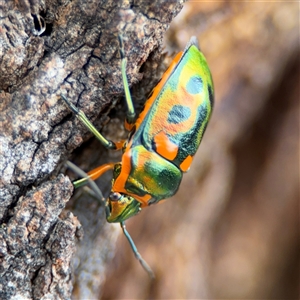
x=77, y=55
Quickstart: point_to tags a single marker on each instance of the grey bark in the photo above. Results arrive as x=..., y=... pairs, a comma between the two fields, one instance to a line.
x=76, y=55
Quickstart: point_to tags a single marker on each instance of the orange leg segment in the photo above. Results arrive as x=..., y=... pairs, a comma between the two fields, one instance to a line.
x=99, y=171
x=119, y=144
x=94, y=174
x=128, y=126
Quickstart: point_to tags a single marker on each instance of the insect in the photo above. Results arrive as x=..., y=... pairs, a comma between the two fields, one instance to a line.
x=162, y=140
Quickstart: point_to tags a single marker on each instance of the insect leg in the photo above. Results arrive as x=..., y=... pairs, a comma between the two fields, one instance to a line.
x=130, y=115
x=136, y=253
x=83, y=118
x=93, y=174
x=87, y=178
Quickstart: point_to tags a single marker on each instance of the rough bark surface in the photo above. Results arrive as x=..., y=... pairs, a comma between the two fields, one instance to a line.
x=76, y=55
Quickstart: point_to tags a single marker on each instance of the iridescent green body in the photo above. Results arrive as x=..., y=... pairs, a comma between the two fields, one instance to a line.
x=168, y=132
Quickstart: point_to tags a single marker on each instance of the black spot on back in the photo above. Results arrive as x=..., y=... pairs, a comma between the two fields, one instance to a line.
x=178, y=114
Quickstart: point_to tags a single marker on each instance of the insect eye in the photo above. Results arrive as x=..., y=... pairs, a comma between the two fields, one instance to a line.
x=115, y=196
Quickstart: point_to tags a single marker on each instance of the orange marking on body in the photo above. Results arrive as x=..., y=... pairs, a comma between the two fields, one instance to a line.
x=120, y=181
x=165, y=147
x=97, y=172
x=159, y=120
x=184, y=166
x=157, y=89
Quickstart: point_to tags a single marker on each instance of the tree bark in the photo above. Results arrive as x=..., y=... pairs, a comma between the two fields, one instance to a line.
x=77, y=55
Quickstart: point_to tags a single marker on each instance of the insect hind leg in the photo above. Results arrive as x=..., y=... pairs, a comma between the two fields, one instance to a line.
x=88, y=124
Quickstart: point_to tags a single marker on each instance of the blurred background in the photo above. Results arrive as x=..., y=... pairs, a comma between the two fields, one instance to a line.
x=232, y=230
